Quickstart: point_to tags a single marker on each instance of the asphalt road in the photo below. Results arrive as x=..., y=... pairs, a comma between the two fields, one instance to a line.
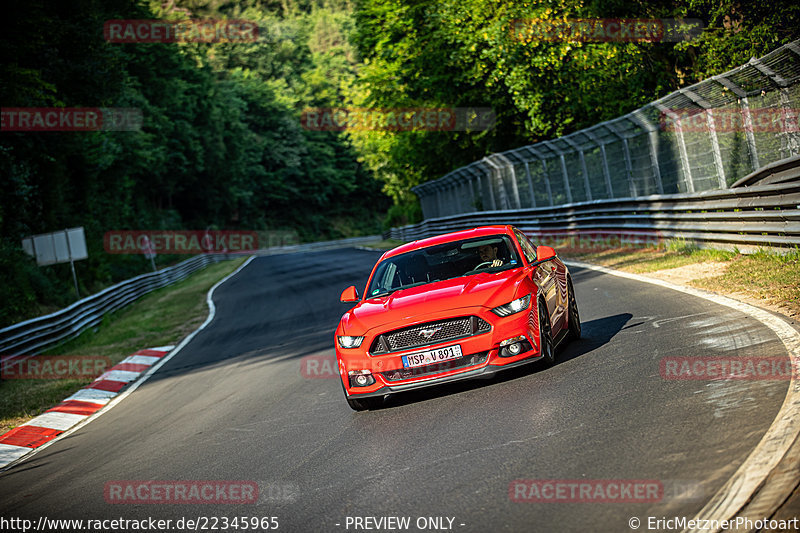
x=233, y=405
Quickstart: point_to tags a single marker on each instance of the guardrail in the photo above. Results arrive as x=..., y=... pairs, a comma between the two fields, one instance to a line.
x=321, y=245
x=765, y=214
x=703, y=137
x=36, y=334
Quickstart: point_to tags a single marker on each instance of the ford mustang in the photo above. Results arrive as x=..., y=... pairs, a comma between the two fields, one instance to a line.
x=451, y=307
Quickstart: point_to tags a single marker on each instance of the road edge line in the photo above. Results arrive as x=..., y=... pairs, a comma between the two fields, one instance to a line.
x=212, y=311
x=740, y=488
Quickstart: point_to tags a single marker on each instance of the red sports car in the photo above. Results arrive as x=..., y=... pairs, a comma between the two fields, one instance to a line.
x=452, y=307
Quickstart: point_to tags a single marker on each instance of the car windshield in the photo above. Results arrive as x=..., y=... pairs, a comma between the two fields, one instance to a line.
x=444, y=261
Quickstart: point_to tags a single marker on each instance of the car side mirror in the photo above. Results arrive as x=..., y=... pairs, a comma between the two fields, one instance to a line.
x=543, y=253
x=349, y=295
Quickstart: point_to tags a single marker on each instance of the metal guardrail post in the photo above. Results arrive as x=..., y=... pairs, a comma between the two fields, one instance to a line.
x=712, y=133
x=490, y=187
x=449, y=197
x=530, y=183
x=626, y=154
x=496, y=177
x=545, y=175
x=472, y=199
x=582, y=159
x=741, y=94
x=460, y=187
x=629, y=167
x=466, y=191
x=606, y=173
x=773, y=74
x=763, y=211
x=514, y=187
x=687, y=169
x=42, y=332
x=477, y=179
x=564, y=172
x=652, y=134
x=547, y=181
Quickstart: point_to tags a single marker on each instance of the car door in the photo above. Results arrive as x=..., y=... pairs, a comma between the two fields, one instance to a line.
x=557, y=287
x=560, y=313
x=543, y=276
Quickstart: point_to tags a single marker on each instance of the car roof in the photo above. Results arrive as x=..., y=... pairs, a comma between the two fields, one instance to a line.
x=482, y=231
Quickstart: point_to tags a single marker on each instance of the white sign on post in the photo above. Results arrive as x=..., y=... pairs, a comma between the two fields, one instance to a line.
x=57, y=247
x=65, y=246
x=149, y=251
x=77, y=244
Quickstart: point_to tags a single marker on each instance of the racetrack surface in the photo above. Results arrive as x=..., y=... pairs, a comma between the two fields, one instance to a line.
x=233, y=405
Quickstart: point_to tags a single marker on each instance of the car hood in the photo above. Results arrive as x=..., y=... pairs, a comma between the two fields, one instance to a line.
x=478, y=290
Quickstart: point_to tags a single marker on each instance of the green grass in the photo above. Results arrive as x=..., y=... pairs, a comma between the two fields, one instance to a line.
x=771, y=278
x=162, y=317
x=652, y=259
x=386, y=244
x=767, y=276
x=167, y=315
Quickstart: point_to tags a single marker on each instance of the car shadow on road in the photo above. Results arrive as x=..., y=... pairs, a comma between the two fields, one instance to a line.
x=595, y=333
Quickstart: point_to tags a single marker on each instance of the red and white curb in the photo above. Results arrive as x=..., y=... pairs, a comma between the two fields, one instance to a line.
x=101, y=396
x=23, y=439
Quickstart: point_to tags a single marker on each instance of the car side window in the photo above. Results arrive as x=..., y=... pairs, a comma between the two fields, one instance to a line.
x=389, y=277
x=527, y=247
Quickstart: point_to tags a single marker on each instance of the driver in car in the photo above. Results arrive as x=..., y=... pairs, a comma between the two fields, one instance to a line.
x=488, y=254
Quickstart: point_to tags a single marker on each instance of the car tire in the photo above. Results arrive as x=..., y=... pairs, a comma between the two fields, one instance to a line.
x=574, y=317
x=364, y=404
x=546, y=337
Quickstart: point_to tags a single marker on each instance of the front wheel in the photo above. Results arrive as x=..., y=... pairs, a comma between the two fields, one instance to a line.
x=364, y=404
x=546, y=337
x=574, y=315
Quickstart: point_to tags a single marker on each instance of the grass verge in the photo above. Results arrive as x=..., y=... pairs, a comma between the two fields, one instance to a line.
x=386, y=244
x=765, y=278
x=162, y=317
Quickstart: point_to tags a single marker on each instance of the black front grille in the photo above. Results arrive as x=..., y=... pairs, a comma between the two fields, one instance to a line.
x=461, y=362
x=429, y=333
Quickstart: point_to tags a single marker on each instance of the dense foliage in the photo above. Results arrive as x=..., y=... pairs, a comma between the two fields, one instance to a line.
x=223, y=146
x=465, y=53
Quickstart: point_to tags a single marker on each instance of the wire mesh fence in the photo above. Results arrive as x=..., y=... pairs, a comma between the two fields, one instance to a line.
x=704, y=137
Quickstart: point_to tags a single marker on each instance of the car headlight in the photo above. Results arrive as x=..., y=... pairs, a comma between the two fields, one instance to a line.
x=347, y=341
x=514, y=306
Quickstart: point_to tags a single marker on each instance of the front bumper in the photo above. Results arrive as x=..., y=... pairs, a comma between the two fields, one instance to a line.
x=482, y=346
x=486, y=371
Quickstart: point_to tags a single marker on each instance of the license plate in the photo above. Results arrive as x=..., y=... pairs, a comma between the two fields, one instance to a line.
x=432, y=356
